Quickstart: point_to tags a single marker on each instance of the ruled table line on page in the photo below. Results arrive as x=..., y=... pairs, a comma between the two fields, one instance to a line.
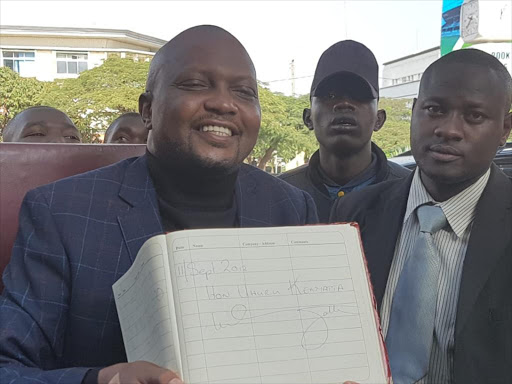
x=312, y=328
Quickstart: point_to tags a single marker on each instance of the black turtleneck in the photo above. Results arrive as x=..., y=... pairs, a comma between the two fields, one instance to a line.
x=190, y=200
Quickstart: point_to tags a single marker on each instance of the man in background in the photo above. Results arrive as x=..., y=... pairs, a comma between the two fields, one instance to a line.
x=439, y=243
x=344, y=114
x=41, y=125
x=127, y=129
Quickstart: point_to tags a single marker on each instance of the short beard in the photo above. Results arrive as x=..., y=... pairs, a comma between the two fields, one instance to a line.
x=179, y=157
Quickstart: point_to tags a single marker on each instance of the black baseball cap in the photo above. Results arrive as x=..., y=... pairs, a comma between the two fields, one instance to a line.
x=347, y=57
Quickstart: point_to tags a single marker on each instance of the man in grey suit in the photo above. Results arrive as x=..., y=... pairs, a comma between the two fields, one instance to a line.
x=446, y=306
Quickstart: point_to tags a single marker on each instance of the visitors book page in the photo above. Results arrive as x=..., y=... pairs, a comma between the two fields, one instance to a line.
x=256, y=305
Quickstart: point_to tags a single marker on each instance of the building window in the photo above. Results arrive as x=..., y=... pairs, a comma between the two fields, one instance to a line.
x=20, y=62
x=72, y=63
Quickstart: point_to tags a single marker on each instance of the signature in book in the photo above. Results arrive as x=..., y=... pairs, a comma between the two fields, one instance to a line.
x=315, y=328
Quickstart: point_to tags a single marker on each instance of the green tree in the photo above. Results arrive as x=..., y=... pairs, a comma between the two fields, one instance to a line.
x=393, y=137
x=16, y=94
x=98, y=96
x=282, y=131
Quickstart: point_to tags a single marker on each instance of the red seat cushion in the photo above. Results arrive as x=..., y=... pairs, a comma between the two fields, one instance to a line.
x=26, y=166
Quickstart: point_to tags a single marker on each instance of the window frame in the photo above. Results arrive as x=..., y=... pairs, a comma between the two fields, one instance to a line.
x=81, y=58
x=14, y=58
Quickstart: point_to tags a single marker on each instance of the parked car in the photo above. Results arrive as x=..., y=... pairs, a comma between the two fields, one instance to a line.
x=503, y=159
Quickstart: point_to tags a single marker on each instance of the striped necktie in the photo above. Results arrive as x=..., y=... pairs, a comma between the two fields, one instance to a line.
x=411, y=324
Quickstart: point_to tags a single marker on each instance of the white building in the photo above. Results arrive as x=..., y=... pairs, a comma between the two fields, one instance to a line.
x=47, y=53
x=401, y=77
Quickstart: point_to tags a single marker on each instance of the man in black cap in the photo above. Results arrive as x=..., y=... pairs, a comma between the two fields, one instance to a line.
x=344, y=113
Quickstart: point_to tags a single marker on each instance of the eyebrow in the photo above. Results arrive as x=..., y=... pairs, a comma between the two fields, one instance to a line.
x=475, y=104
x=208, y=72
x=431, y=98
x=467, y=104
x=125, y=129
x=45, y=124
x=31, y=124
x=244, y=78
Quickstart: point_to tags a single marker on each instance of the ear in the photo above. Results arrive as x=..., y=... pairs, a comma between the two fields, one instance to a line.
x=306, y=118
x=414, y=103
x=507, y=126
x=145, y=100
x=381, y=119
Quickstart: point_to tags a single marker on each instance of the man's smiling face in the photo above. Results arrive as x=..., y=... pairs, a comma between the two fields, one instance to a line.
x=42, y=125
x=204, y=103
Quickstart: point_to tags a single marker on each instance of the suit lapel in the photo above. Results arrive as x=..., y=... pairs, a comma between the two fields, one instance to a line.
x=380, y=232
x=490, y=235
x=142, y=221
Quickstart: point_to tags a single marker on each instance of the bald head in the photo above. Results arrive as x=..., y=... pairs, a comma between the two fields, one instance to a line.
x=41, y=125
x=201, y=102
x=127, y=129
x=193, y=41
x=487, y=66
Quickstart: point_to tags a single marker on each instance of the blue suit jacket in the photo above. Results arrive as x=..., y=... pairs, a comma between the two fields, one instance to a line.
x=78, y=236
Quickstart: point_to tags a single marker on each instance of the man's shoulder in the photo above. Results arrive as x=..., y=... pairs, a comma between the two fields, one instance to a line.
x=498, y=191
x=296, y=173
x=105, y=180
x=397, y=171
x=268, y=200
x=298, y=177
x=266, y=180
x=357, y=203
x=390, y=170
x=372, y=192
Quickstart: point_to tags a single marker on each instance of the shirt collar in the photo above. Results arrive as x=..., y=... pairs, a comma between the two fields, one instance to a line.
x=459, y=210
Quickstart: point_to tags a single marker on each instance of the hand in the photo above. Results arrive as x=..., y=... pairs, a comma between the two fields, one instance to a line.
x=138, y=372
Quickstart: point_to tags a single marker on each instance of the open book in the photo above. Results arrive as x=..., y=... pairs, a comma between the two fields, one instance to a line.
x=254, y=305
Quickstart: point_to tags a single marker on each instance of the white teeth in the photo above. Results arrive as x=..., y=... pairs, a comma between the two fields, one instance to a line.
x=216, y=130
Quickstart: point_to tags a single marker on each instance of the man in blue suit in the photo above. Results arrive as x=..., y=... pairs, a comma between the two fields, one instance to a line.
x=77, y=236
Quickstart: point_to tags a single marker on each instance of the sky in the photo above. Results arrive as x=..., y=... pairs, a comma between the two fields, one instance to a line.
x=273, y=32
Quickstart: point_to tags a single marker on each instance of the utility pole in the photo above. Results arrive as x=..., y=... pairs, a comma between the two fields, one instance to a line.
x=345, y=19
x=292, y=70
